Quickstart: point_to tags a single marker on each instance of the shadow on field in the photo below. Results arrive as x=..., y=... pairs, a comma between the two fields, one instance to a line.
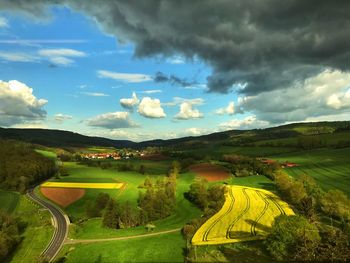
x=259, y=226
x=267, y=186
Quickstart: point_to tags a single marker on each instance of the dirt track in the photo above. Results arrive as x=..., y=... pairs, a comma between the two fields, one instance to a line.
x=85, y=241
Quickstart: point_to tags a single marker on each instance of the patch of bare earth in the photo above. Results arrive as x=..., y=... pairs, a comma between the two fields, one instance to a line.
x=211, y=172
x=62, y=196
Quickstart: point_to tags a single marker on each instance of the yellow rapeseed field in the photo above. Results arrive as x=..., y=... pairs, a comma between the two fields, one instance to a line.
x=83, y=185
x=247, y=214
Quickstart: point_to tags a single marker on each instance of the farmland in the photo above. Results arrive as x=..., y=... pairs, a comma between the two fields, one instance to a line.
x=83, y=185
x=247, y=214
x=329, y=167
x=62, y=196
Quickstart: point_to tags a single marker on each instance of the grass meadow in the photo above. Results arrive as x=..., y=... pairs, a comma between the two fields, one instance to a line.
x=37, y=234
x=8, y=201
x=161, y=248
x=329, y=167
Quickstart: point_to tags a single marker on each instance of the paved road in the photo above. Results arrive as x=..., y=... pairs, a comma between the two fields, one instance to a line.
x=61, y=227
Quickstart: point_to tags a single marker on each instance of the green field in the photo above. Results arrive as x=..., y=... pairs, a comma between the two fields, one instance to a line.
x=8, y=201
x=162, y=248
x=329, y=167
x=48, y=154
x=184, y=212
x=37, y=234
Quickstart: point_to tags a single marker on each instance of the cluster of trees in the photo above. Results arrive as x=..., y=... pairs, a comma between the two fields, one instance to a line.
x=156, y=201
x=159, y=199
x=209, y=199
x=308, y=198
x=95, y=208
x=305, y=237
x=242, y=166
x=9, y=235
x=121, y=215
x=22, y=167
x=294, y=238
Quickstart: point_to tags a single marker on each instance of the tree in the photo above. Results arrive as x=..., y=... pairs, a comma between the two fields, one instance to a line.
x=111, y=216
x=335, y=246
x=292, y=237
x=336, y=204
x=142, y=169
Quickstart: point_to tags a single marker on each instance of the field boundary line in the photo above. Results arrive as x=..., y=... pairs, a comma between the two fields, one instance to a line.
x=86, y=241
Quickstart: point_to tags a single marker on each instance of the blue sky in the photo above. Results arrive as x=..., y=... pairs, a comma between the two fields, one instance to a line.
x=76, y=90
x=67, y=71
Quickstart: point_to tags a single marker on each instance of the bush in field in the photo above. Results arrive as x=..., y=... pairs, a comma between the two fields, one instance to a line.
x=209, y=199
x=120, y=215
x=94, y=208
x=293, y=237
x=9, y=235
x=336, y=204
x=335, y=246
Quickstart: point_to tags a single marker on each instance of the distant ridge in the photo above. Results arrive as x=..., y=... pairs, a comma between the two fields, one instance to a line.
x=61, y=138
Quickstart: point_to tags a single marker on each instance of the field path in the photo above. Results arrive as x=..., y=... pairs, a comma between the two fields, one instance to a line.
x=85, y=241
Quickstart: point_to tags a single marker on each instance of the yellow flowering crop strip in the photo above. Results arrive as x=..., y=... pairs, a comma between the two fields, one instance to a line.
x=83, y=185
x=247, y=214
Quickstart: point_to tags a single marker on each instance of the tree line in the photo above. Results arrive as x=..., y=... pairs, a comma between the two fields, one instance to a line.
x=22, y=167
x=209, y=199
x=156, y=200
x=307, y=237
x=242, y=166
x=9, y=235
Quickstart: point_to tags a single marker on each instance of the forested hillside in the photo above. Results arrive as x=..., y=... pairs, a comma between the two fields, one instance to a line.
x=21, y=166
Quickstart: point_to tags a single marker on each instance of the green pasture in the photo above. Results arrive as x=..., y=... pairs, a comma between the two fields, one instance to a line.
x=216, y=151
x=46, y=153
x=163, y=248
x=329, y=167
x=184, y=212
x=8, y=201
x=36, y=235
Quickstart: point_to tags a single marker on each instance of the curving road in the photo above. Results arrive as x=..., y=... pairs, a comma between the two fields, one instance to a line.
x=61, y=227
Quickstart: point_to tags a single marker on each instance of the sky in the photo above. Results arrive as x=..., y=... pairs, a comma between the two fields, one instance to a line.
x=143, y=70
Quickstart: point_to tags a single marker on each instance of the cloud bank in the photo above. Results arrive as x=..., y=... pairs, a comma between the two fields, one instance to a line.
x=18, y=104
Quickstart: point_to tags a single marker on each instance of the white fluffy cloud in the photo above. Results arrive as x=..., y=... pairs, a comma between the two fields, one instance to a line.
x=61, y=56
x=230, y=109
x=187, y=111
x=18, y=104
x=3, y=22
x=249, y=122
x=124, y=77
x=324, y=94
x=62, y=117
x=151, y=108
x=112, y=120
x=129, y=103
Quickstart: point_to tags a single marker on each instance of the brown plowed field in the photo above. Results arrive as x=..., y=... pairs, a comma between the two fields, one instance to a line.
x=62, y=196
x=210, y=172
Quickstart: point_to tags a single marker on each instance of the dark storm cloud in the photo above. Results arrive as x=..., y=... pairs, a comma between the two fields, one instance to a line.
x=266, y=45
x=172, y=79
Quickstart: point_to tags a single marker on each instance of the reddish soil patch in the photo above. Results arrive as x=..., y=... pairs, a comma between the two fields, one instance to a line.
x=210, y=172
x=62, y=196
x=154, y=157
